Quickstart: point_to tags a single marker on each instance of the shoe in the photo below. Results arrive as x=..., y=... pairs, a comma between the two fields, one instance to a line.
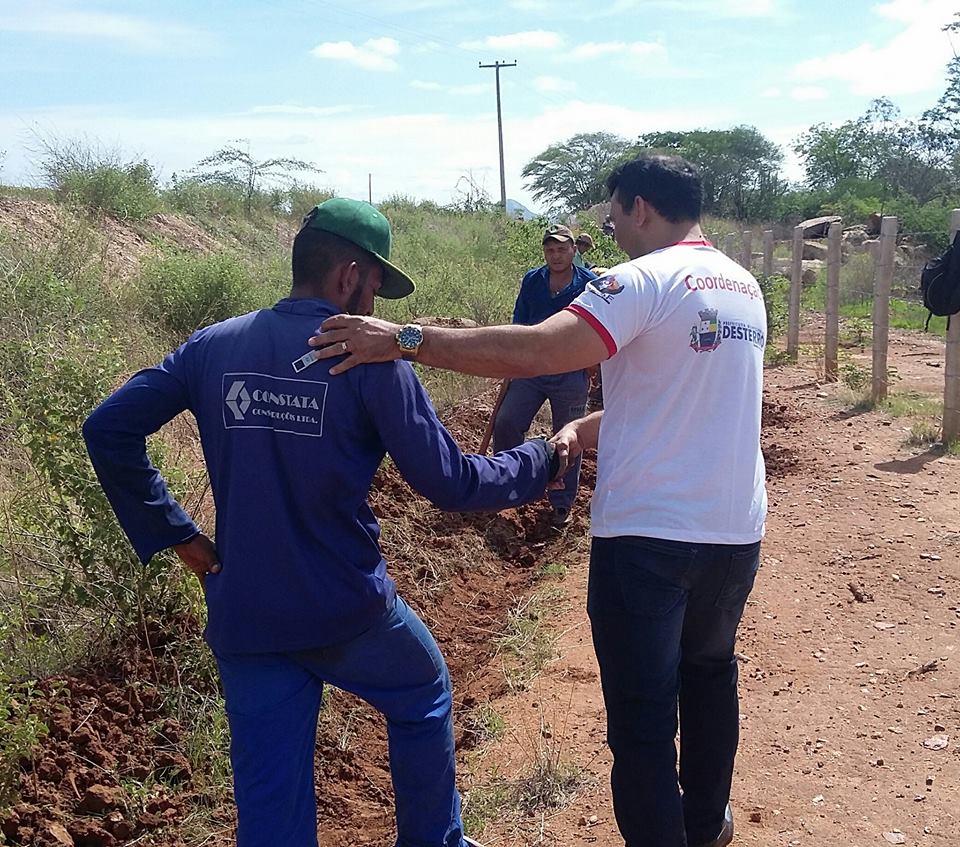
x=559, y=517
x=470, y=842
x=726, y=834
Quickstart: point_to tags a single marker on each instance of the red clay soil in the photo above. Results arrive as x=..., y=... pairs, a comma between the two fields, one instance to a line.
x=462, y=572
x=842, y=693
x=850, y=717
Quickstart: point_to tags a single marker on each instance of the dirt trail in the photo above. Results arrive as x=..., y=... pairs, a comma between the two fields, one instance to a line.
x=842, y=698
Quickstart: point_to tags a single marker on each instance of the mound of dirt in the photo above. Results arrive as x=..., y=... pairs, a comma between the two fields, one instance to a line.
x=36, y=224
x=778, y=426
x=462, y=572
x=106, y=726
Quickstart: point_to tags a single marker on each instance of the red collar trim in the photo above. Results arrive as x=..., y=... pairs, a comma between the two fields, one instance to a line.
x=699, y=243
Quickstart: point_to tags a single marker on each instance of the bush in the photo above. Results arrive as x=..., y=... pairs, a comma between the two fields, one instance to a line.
x=775, y=290
x=99, y=180
x=73, y=555
x=20, y=730
x=58, y=285
x=183, y=292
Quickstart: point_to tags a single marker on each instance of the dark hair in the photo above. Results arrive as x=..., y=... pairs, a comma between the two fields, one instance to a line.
x=668, y=183
x=316, y=252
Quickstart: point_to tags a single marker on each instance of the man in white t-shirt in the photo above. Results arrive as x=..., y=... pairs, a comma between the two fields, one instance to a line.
x=679, y=506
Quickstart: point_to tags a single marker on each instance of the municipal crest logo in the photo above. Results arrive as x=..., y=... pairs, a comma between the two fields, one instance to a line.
x=705, y=335
x=608, y=285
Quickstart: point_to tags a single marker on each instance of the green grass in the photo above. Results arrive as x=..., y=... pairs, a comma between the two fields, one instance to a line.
x=856, y=299
x=485, y=803
x=911, y=404
x=923, y=434
x=527, y=643
x=904, y=314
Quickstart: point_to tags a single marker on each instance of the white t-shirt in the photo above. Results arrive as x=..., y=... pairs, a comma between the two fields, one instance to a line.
x=679, y=454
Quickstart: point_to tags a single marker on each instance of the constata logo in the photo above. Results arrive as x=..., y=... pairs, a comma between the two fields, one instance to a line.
x=260, y=401
x=238, y=399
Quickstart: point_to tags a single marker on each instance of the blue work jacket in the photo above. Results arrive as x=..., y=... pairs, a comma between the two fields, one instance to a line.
x=291, y=457
x=535, y=303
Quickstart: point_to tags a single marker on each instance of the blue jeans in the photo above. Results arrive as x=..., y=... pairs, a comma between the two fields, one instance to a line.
x=273, y=701
x=567, y=394
x=664, y=616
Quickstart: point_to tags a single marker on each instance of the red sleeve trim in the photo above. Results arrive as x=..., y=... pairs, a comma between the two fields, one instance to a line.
x=598, y=327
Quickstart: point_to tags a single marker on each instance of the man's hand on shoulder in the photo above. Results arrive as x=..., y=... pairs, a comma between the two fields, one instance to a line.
x=360, y=339
x=199, y=555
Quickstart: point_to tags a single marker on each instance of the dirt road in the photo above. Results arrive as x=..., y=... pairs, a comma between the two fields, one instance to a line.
x=850, y=672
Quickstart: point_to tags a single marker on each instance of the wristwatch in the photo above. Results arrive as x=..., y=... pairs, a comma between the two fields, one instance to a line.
x=409, y=339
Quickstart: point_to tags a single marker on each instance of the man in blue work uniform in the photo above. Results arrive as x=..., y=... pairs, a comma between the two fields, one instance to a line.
x=296, y=588
x=544, y=292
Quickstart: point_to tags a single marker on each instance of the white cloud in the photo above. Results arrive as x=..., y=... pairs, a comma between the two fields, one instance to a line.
x=293, y=109
x=772, y=91
x=808, y=92
x=536, y=39
x=136, y=33
x=529, y=5
x=375, y=54
x=698, y=8
x=747, y=8
x=469, y=90
x=617, y=49
x=553, y=84
x=912, y=61
x=427, y=153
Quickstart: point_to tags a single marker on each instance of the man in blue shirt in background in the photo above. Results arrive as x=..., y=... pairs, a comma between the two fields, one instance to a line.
x=544, y=292
x=297, y=590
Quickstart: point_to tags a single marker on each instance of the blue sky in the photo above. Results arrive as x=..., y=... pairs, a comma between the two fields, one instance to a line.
x=393, y=88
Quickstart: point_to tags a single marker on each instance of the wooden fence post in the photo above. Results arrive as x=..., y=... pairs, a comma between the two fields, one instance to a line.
x=729, y=245
x=832, y=340
x=951, y=388
x=796, y=282
x=747, y=257
x=768, y=252
x=882, y=283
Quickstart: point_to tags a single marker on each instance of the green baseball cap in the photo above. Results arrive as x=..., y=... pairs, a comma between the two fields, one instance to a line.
x=362, y=224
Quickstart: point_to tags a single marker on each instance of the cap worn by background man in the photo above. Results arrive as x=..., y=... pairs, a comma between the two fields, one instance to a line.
x=585, y=239
x=558, y=232
x=361, y=224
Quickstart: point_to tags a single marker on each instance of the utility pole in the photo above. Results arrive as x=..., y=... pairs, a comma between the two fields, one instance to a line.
x=503, y=182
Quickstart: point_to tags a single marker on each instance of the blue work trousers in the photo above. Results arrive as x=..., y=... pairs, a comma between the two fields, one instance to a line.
x=273, y=701
x=664, y=616
x=567, y=394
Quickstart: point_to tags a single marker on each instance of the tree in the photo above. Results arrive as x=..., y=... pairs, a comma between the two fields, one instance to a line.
x=234, y=167
x=883, y=154
x=740, y=168
x=572, y=174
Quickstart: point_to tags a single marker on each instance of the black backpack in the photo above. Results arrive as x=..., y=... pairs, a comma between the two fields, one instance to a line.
x=940, y=283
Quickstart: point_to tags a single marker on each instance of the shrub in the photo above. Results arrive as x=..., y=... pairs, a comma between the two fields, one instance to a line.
x=183, y=292
x=99, y=180
x=72, y=564
x=20, y=730
x=775, y=289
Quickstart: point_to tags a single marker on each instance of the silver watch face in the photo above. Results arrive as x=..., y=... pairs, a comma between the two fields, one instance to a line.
x=410, y=337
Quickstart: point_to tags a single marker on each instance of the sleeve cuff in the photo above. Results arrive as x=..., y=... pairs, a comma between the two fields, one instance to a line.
x=598, y=327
